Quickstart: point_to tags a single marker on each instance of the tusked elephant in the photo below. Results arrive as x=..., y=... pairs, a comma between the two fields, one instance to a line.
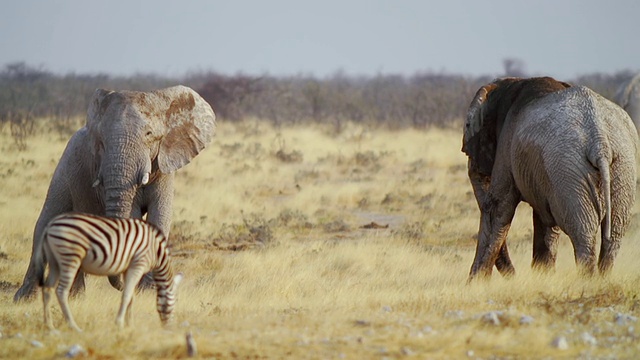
x=568, y=152
x=628, y=97
x=122, y=162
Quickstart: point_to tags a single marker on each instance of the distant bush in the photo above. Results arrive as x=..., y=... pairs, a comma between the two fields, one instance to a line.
x=396, y=101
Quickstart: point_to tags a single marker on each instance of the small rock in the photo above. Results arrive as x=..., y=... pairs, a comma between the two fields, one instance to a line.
x=18, y=336
x=192, y=348
x=623, y=319
x=457, y=314
x=387, y=308
x=560, y=343
x=36, y=343
x=75, y=350
x=588, y=339
x=492, y=317
x=470, y=353
x=185, y=324
x=406, y=351
x=526, y=320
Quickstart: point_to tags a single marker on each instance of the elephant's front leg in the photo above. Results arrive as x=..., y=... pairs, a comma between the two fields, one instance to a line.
x=503, y=262
x=495, y=222
x=545, y=244
x=116, y=281
x=158, y=198
x=481, y=184
x=57, y=202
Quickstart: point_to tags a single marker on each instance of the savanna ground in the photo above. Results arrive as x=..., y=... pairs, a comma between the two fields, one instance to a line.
x=268, y=229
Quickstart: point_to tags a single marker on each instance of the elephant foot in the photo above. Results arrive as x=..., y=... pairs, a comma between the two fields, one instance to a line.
x=480, y=273
x=147, y=282
x=76, y=290
x=507, y=272
x=27, y=292
x=503, y=263
x=586, y=271
x=116, y=282
x=505, y=268
x=544, y=266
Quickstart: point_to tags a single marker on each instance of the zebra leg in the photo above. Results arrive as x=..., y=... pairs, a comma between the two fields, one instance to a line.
x=46, y=296
x=64, y=287
x=131, y=278
x=52, y=278
x=127, y=317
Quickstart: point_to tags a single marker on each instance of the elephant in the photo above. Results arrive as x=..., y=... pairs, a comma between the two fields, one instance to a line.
x=566, y=151
x=628, y=97
x=122, y=162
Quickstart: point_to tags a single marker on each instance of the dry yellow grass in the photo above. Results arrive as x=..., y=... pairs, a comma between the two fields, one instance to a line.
x=267, y=229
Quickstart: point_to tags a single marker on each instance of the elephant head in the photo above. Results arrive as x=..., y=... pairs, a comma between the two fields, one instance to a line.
x=488, y=110
x=628, y=97
x=137, y=136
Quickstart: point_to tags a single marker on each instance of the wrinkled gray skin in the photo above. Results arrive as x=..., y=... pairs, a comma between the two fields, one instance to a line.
x=568, y=152
x=121, y=163
x=628, y=97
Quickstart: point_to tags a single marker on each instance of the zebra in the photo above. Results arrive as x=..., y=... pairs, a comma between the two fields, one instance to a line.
x=106, y=246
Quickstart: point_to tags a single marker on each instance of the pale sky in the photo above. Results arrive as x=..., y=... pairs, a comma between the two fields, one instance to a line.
x=287, y=37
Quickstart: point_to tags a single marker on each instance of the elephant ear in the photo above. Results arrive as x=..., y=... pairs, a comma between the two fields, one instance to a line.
x=98, y=104
x=190, y=125
x=479, y=140
x=624, y=91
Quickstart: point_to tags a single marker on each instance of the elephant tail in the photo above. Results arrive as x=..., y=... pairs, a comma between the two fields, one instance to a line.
x=603, y=166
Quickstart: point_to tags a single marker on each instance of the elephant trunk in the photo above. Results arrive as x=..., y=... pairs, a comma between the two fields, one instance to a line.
x=119, y=172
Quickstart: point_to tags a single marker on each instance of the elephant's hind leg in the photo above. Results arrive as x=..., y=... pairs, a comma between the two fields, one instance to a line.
x=623, y=193
x=608, y=252
x=585, y=253
x=609, y=247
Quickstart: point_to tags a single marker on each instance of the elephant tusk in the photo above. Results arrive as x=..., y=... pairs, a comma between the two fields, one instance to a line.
x=145, y=179
x=96, y=183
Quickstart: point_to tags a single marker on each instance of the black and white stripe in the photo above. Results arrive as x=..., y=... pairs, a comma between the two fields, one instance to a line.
x=106, y=246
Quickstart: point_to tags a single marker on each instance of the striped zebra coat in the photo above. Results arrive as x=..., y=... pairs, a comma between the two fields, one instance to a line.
x=106, y=246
